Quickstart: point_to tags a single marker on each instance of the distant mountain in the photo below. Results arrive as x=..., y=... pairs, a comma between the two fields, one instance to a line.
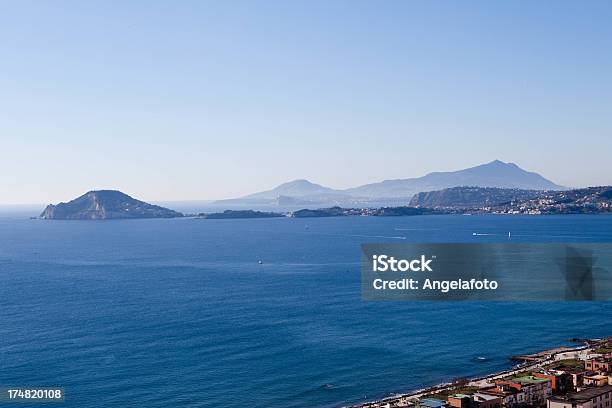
x=297, y=193
x=395, y=192
x=493, y=174
x=295, y=188
x=103, y=205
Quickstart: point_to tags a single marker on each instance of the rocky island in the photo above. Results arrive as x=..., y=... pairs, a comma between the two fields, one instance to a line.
x=105, y=205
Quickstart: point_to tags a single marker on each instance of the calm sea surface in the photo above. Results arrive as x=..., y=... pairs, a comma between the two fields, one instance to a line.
x=179, y=313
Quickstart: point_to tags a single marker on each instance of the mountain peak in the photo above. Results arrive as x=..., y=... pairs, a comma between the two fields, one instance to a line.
x=295, y=188
x=492, y=174
x=499, y=163
x=298, y=182
x=106, y=194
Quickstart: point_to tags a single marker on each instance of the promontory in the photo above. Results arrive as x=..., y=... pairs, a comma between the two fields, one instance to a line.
x=105, y=205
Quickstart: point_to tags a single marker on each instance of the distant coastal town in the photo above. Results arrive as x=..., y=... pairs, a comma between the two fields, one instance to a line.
x=563, y=377
x=489, y=200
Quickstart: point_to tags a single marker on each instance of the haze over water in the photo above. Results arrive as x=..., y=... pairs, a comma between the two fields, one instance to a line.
x=162, y=313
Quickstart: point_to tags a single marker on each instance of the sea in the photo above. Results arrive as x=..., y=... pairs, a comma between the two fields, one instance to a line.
x=257, y=312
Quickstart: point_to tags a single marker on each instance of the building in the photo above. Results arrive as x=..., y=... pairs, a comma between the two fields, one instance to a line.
x=475, y=400
x=598, y=364
x=460, y=400
x=509, y=397
x=486, y=401
x=576, y=373
x=560, y=381
x=594, y=397
x=596, y=380
x=536, y=390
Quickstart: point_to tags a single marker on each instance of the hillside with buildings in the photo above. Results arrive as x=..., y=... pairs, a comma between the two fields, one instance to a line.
x=589, y=200
x=565, y=377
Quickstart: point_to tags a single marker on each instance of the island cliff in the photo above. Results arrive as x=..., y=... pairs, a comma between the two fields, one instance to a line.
x=105, y=205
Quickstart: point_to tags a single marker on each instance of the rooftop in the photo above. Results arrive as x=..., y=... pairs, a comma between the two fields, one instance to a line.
x=584, y=395
x=498, y=391
x=485, y=397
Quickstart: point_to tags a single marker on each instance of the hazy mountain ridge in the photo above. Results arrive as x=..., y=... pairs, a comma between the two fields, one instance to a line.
x=398, y=192
x=493, y=174
x=103, y=205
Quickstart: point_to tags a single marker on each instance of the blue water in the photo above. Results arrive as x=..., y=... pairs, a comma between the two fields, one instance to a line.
x=160, y=313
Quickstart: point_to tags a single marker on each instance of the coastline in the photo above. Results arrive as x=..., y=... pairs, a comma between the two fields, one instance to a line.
x=530, y=362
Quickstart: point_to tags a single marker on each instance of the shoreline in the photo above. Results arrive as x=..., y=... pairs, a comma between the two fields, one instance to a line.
x=530, y=362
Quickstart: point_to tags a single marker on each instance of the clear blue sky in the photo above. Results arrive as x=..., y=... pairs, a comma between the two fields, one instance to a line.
x=206, y=100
